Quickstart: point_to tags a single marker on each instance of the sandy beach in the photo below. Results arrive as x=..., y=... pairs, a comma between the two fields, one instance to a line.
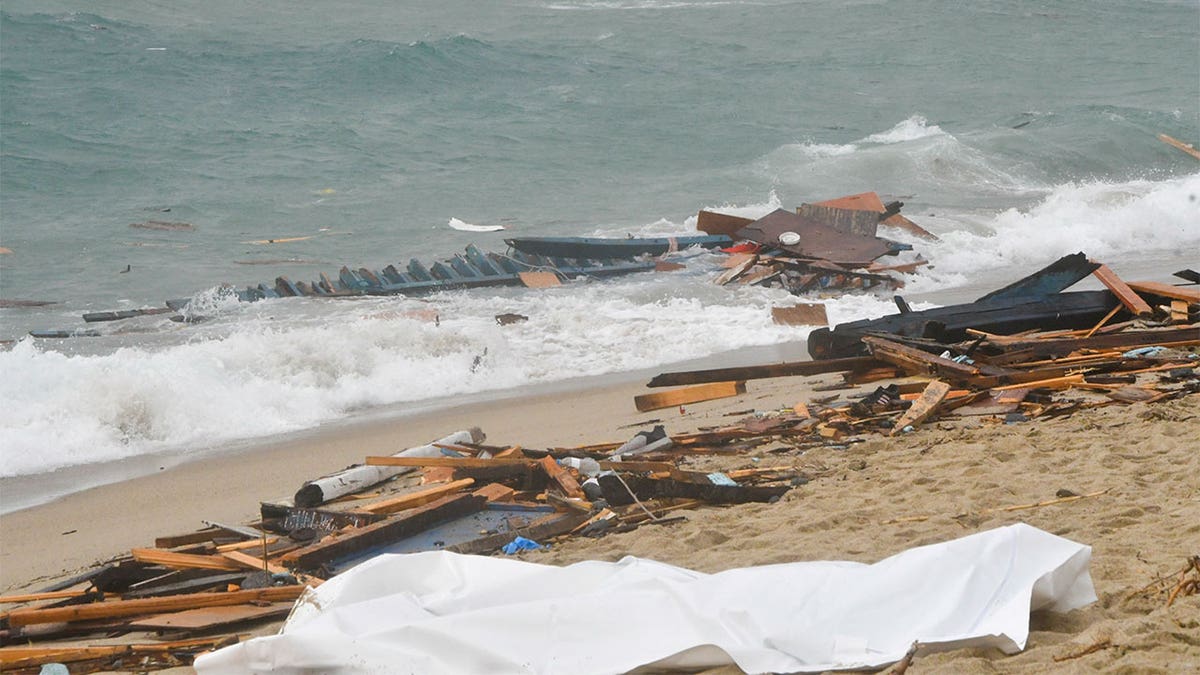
x=863, y=503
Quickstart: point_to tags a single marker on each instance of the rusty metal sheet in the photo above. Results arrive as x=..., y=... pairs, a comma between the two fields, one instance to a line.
x=815, y=239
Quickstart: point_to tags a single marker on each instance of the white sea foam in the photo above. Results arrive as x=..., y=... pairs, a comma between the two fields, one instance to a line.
x=285, y=365
x=909, y=130
x=1106, y=220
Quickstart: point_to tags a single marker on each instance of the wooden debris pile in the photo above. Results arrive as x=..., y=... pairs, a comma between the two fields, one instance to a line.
x=827, y=246
x=1023, y=352
x=196, y=591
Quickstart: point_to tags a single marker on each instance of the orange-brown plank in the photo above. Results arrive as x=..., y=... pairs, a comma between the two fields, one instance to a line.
x=1131, y=300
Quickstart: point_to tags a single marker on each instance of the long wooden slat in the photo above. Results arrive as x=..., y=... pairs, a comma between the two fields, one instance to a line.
x=1175, y=142
x=1166, y=290
x=1131, y=300
x=120, y=608
x=918, y=362
x=206, y=618
x=22, y=657
x=243, y=559
x=413, y=499
x=49, y=595
x=696, y=394
x=181, y=561
x=787, y=369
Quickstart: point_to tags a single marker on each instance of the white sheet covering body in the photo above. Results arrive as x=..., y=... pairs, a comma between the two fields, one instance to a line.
x=440, y=612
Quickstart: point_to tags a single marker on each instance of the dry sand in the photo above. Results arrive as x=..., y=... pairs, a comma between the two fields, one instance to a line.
x=863, y=503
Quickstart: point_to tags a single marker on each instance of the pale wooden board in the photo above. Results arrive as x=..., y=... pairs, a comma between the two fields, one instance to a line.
x=700, y=392
x=802, y=314
x=212, y=617
x=539, y=279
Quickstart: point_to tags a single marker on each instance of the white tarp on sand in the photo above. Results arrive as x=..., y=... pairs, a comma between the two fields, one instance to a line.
x=439, y=612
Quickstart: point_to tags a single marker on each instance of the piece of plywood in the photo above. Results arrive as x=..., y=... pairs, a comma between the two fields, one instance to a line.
x=695, y=394
x=709, y=222
x=935, y=392
x=801, y=314
x=1131, y=300
x=539, y=279
x=901, y=223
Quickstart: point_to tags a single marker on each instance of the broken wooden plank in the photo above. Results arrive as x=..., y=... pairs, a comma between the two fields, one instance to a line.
x=559, y=475
x=1131, y=300
x=154, y=556
x=923, y=407
x=801, y=314
x=26, y=657
x=1166, y=291
x=495, y=492
x=901, y=223
x=742, y=263
x=694, y=394
x=863, y=201
x=786, y=369
x=539, y=279
x=207, y=618
x=1176, y=143
x=916, y=361
x=384, y=532
x=408, y=501
x=248, y=561
x=121, y=608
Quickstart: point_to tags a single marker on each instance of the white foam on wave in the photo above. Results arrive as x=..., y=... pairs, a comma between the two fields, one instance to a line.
x=272, y=370
x=911, y=129
x=1106, y=220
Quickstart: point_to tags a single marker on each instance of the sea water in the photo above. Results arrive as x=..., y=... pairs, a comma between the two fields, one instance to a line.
x=1016, y=131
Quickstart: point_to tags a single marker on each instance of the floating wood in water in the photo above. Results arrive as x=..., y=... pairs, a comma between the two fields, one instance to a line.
x=118, y=315
x=5, y=251
x=802, y=314
x=1175, y=142
x=539, y=279
x=61, y=334
x=12, y=304
x=164, y=225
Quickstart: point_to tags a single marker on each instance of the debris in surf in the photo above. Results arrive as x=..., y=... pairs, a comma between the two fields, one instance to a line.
x=164, y=225
x=461, y=226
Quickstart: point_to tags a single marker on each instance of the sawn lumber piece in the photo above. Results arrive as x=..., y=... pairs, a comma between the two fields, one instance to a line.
x=694, y=394
x=1166, y=290
x=786, y=369
x=1050, y=347
x=384, y=532
x=923, y=407
x=407, y=501
x=559, y=475
x=122, y=608
x=1131, y=300
x=175, y=560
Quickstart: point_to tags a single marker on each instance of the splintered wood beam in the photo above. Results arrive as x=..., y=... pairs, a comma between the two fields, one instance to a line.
x=384, y=532
x=916, y=361
x=113, y=609
x=412, y=499
x=793, y=369
x=1131, y=300
x=923, y=407
x=701, y=392
x=1190, y=295
x=559, y=475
